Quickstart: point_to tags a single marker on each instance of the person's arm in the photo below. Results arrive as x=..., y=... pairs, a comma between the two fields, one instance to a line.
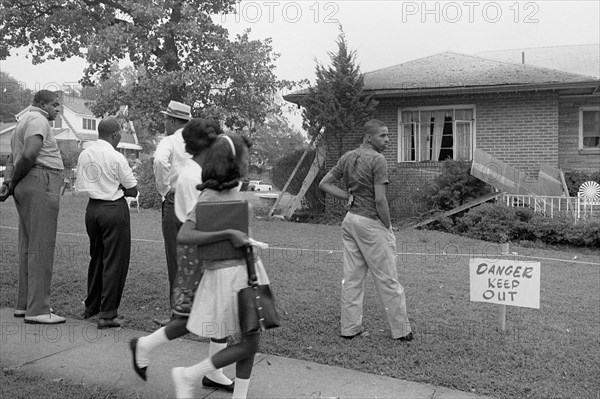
x=190, y=236
x=127, y=180
x=4, y=190
x=33, y=145
x=381, y=205
x=130, y=192
x=326, y=185
x=162, y=166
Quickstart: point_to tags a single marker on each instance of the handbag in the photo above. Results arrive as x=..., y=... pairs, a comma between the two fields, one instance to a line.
x=189, y=273
x=256, y=305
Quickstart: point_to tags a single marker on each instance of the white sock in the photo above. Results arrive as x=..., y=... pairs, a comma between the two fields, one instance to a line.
x=240, y=391
x=217, y=375
x=146, y=344
x=198, y=370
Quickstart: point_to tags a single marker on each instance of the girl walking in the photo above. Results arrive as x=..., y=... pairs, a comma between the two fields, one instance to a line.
x=215, y=310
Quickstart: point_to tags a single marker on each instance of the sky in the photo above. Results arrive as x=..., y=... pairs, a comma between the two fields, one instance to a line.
x=383, y=33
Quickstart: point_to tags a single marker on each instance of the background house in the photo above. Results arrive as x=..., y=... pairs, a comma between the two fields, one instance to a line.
x=76, y=125
x=446, y=105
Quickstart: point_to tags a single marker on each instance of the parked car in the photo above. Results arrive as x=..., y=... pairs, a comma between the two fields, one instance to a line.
x=258, y=185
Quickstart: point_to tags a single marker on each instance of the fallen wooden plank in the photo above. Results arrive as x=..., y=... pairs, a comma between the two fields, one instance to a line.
x=461, y=208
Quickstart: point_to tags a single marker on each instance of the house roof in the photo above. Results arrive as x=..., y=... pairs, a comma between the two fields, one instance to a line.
x=451, y=69
x=454, y=72
x=583, y=59
x=77, y=105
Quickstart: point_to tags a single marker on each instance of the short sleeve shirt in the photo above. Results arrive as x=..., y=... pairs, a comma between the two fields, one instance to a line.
x=101, y=170
x=186, y=193
x=35, y=122
x=361, y=170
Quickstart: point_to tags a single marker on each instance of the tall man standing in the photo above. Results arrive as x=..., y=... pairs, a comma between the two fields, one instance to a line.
x=169, y=157
x=33, y=177
x=104, y=175
x=369, y=243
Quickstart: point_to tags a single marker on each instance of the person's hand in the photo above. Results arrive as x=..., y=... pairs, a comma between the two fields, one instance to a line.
x=238, y=238
x=4, y=192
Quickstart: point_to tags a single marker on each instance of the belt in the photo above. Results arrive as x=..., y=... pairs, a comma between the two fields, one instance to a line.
x=37, y=165
x=101, y=200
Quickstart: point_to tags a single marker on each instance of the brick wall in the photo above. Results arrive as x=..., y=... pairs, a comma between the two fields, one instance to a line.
x=569, y=155
x=519, y=129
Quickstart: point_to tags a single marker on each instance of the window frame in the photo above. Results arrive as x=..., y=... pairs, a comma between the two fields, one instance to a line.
x=90, y=121
x=580, y=128
x=453, y=107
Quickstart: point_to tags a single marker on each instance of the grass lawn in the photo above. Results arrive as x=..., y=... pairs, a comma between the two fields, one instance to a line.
x=553, y=351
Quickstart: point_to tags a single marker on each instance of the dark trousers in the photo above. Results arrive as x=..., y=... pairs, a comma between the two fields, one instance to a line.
x=170, y=228
x=108, y=227
x=37, y=201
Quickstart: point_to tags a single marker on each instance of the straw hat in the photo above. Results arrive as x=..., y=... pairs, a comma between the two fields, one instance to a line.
x=178, y=110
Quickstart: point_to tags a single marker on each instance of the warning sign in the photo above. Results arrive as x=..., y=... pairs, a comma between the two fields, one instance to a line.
x=505, y=282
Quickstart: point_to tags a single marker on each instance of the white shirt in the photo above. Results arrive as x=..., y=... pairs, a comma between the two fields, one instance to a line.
x=100, y=171
x=186, y=193
x=169, y=157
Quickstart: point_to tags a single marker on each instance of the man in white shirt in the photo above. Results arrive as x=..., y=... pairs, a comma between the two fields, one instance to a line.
x=169, y=158
x=104, y=175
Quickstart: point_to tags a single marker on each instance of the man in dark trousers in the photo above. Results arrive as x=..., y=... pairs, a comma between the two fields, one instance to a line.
x=104, y=175
x=369, y=243
x=34, y=176
x=169, y=158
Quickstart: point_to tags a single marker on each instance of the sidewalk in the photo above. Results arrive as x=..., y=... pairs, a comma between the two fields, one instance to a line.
x=79, y=352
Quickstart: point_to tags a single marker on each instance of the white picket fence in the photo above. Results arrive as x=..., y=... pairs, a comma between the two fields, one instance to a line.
x=554, y=206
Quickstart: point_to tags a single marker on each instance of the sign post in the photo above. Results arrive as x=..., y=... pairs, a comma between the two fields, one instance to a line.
x=502, y=314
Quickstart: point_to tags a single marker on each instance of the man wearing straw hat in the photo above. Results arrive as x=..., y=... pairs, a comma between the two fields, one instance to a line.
x=169, y=157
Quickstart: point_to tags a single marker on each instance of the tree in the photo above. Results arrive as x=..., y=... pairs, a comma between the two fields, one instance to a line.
x=178, y=53
x=336, y=105
x=274, y=139
x=14, y=97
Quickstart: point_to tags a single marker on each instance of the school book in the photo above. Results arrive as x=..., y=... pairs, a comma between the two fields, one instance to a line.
x=222, y=215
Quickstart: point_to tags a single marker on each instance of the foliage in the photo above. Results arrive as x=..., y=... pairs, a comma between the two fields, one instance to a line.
x=314, y=198
x=273, y=139
x=14, y=97
x=337, y=105
x=453, y=187
x=501, y=223
x=177, y=49
x=149, y=197
x=575, y=178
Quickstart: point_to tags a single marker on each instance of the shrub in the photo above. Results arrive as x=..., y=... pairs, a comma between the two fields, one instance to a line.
x=500, y=223
x=454, y=186
x=149, y=197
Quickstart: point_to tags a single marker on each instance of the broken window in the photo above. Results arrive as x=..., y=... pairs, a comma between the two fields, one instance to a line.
x=429, y=134
x=589, y=127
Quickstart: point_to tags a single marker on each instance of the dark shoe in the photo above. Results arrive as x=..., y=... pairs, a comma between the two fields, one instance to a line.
x=162, y=323
x=19, y=313
x=87, y=315
x=363, y=333
x=208, y=383
x=108, y=323
x=141, y=371
x=408, y=337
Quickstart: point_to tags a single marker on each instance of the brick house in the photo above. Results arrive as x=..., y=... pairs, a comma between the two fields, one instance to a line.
x=446, y=105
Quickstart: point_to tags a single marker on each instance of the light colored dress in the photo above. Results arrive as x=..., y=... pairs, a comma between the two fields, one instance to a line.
x=215, y=309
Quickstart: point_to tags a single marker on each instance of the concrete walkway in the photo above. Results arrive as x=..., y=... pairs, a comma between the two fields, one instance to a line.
x=79, y=352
